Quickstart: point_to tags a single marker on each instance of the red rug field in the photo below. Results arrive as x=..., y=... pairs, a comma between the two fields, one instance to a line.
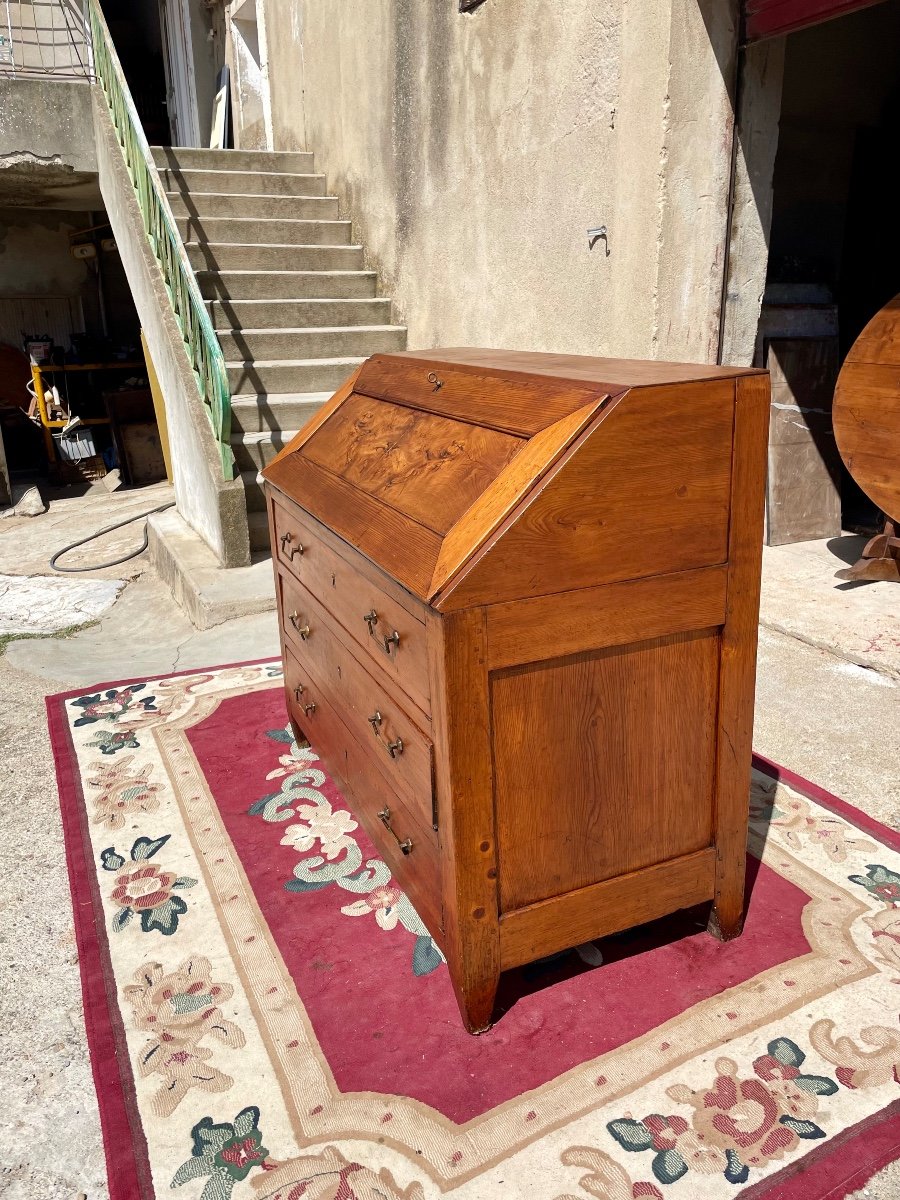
x=269, y=1018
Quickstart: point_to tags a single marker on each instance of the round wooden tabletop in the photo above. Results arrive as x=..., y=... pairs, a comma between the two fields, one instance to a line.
x=866, y=411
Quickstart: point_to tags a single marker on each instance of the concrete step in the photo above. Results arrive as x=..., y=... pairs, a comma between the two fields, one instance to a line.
x=215, y=204
x=298, y=314
x=265, y=376
x=262, y=286
x=271, y=344
x=236, y=256
x=233, y=160
x=262, y=414
x=258, y=528
x=253, y=451
x=254, y=183
x=252, y=231
x=253, y=490
x=208, y=593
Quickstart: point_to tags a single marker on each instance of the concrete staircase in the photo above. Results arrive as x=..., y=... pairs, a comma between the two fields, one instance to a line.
x=293, y=307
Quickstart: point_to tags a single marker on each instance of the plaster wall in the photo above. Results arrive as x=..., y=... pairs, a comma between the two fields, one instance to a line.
x=474, y=151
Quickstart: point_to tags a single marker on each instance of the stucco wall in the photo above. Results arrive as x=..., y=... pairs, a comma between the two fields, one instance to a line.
x=474, y=151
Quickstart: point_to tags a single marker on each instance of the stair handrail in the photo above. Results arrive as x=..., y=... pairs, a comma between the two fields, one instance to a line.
x=200, y=339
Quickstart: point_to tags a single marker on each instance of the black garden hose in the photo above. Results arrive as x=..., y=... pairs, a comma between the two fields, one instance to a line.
x=100, y=532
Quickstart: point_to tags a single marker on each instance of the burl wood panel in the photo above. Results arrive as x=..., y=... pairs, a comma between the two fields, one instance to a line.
x=604, y=763
x=428, y=467
x=645, y=492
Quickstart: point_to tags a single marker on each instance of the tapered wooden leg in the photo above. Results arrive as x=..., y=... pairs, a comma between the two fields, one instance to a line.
x=475, y=998
x=461, y=729
x=737, y=661
x=726, y=919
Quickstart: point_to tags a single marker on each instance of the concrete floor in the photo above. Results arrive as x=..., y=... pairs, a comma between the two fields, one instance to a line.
x=818, y=712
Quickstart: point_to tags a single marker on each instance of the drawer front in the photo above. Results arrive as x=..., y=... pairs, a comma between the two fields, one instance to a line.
x=401, y=751
x=409, y=848
x=389, y=634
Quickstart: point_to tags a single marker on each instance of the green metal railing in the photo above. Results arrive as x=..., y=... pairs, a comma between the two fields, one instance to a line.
x=200, y=340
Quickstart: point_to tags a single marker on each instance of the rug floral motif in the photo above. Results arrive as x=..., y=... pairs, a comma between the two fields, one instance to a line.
x=270, y=1019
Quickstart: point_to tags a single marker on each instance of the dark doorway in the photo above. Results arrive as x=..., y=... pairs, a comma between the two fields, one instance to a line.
x=834, y=257
x=136, y=33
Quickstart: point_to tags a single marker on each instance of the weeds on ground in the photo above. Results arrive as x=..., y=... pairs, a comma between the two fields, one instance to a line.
x=6, y=638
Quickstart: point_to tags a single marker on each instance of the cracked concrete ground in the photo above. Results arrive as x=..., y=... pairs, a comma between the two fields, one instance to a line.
x=818, y=712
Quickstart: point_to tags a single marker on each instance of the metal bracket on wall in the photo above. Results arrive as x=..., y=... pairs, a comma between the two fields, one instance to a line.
x=594, y=236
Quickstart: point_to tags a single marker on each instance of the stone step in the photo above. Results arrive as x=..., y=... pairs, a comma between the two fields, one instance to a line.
x=265, y=376
x=258, y=528
x=233, y=160
x=263, y=286
x=235, y=256
x=246, y=345
x=253, y=451
x=253, y=491
x=297, y=314
x=237, y=183
x=207, y=592
x=251, y=231
x=261, y=414
x=215, y=204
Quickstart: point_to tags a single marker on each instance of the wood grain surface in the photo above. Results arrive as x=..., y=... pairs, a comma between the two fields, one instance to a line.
x=350, y=596
x=611, y=375
x=737, y=668
x=464, y=781
x=404, y=549
x=324, y=652
x=646, y=492
x=866, y=411
x=604, y=763
x=604, y=908
x=519, y=406
x=430, y=468
x=613, y=614
x=485, y=516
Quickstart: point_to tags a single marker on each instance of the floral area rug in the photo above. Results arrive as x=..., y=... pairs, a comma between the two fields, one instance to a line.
x=270, y=1020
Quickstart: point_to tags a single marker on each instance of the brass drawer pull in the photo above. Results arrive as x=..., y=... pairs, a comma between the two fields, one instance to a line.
x=309, y=709
x=433, y=379
x=387, y=644
x=393, y=748
x=385, y=818
x=286, y=540
x=303, y=630
x=298, y=692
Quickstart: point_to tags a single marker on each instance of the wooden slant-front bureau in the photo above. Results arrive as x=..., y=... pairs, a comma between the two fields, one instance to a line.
x=518, y=598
